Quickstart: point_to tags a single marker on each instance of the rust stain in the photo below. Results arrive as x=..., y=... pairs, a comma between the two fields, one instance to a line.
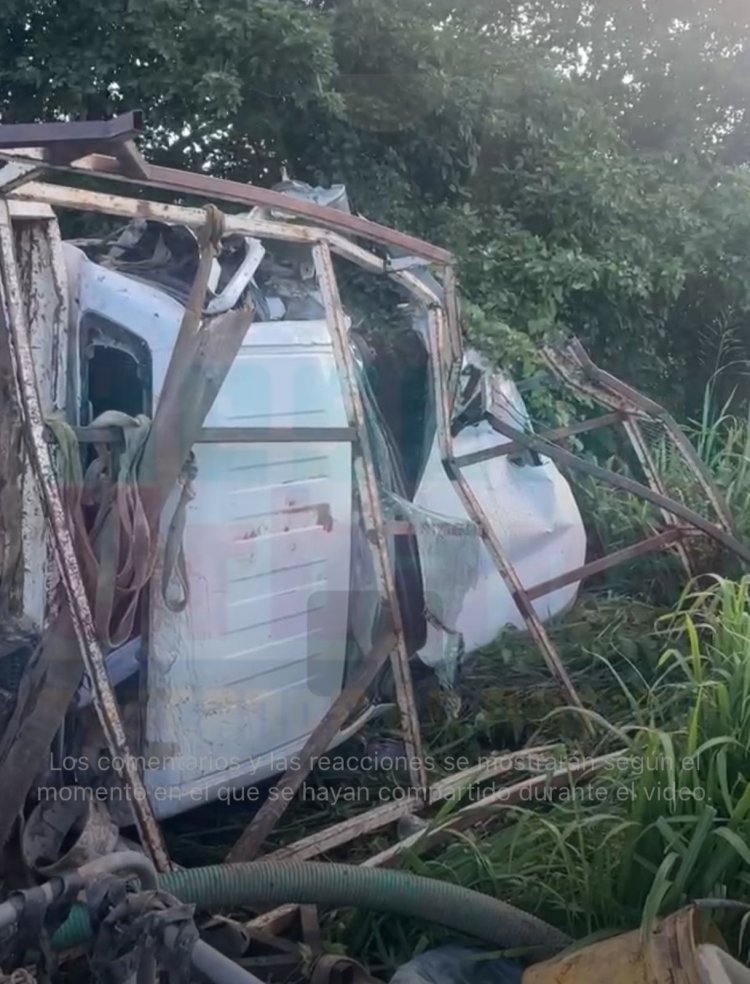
x=325, y=519
x=144, y=208
x=322, y=513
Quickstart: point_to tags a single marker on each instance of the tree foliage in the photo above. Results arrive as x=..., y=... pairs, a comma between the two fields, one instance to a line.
x=584, y=158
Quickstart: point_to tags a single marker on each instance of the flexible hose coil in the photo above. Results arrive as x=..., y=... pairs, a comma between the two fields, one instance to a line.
x=274, y=883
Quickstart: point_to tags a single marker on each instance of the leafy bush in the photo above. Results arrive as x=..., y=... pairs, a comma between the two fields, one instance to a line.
x=603, y=195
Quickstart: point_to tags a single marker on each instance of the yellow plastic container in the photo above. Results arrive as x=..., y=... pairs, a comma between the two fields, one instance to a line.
x=667, y=955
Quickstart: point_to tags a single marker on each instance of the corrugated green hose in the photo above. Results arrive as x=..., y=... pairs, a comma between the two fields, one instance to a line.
x=275, y=883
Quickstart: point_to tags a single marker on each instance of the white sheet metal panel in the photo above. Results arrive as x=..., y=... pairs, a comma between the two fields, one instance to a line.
x=239, y=680
x=533, y=512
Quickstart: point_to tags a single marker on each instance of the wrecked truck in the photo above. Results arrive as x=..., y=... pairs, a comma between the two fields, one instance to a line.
x=241, y=647
x=242, y=509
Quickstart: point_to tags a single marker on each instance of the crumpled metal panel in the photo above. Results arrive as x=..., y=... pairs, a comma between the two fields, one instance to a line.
x=531, y=508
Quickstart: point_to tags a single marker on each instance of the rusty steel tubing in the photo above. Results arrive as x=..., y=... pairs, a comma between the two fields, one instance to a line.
x=573, y=365
x=70, y=574
x=677, y=509
x=653, y=544
x=473, y=507
x=252, y=839
x=369, y=497
x=224, y=190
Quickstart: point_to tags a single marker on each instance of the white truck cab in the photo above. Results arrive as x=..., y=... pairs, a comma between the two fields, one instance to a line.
x=281, y=595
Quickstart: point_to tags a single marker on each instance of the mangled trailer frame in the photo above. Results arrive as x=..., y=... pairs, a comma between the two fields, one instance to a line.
x=33, y=318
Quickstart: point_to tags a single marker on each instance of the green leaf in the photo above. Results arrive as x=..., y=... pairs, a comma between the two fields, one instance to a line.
x=660, y=888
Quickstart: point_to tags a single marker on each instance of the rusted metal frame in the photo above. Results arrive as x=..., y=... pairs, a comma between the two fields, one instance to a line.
x=13, y=314
x=348, y=830
x=13, y=573
x=372, y=512
x=171, y=179
x=381, y=816
x=450, y=363
x=569, y=371
x=653, y=544
x=416, y=287
x=445, y=298
x=476, y=513
x=220, y=189
x=254, y=836
x=452, y=312
x=558, y=434
x=677, y=509
x=635, y=435
x=636, y=439
x=655, y=410
x=525, y=791
x=574, y=367
x=280, y=919
x=251, y=841
x=44, y=290
x=600, y=377
x=61, y=196
x=527, y=759
x=192, y=325
x=83, y=132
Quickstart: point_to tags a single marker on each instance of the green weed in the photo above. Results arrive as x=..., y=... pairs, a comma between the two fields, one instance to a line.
x=665, y=823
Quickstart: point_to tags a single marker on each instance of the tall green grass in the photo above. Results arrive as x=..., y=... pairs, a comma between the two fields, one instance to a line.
x=722, y=439
x=667, y=823
x=614, y=519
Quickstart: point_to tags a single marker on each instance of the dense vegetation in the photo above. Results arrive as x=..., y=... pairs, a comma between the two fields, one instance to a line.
x=585, y=160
